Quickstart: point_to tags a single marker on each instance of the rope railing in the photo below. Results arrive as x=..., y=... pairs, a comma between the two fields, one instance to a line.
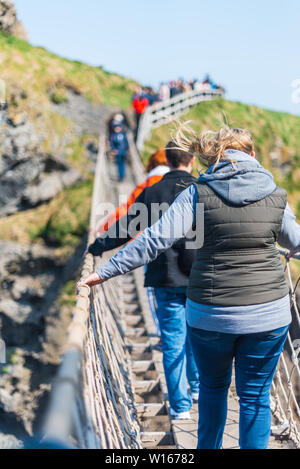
x=165, y=111
x=92, y=402
x=138, y=169
x=285, y=390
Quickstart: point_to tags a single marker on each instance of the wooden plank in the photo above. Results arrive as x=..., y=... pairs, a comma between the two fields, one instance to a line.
x=185, y=431
x=185, y=434
x=151, y=409
x=144, y=386
x=133, y=320
x=151, y=439
x=139, y=348
x=132, y=309
x=135, y=331
x=129, y=290
x=157, y=359
x=139, y=366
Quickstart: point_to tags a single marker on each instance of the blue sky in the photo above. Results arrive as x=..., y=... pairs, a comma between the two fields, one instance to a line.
x=250, y=46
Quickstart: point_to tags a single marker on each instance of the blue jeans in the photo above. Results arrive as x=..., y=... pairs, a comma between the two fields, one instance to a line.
x=121, y=162
x=178, y=360
x=256, y=357
x=153, y=308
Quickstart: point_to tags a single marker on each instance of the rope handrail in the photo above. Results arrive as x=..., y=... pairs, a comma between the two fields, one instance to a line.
x=183, y=97
x=286, y=384
x=92, y=402
x=164, y=111
x=288, y=254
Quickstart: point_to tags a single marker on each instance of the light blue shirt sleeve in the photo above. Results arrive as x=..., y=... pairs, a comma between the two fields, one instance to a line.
x=289, y=236
x=175, y=224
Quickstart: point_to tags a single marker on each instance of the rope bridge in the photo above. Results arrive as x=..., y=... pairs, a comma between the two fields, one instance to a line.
x=92, y=403
x=286, y=384
x=110, y=390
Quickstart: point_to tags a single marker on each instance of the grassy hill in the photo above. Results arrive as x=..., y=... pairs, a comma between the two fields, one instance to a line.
x=37, y=80
x=45, y=76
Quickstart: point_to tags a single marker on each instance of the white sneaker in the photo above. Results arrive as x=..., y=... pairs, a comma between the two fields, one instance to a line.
x=195, y=396
x=180, y=415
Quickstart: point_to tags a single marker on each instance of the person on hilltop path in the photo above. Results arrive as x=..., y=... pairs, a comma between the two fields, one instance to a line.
x=238, y=307
x=117, y=120
x=164, y=92
x=119, y=147
x=167, y=276
x=140, y=103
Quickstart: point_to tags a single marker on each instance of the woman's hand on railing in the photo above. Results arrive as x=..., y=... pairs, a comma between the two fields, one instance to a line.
x=289, y=254
x=91, y=280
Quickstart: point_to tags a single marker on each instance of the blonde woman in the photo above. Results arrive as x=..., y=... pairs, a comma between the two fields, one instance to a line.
x=238, y=307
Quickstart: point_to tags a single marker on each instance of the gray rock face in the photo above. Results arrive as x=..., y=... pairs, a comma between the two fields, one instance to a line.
x=29, y=280
x=8, y=16
x=89, y=118
x=33, y=320
x=27, y=276
x=28, y=177
x=9, y=22
x=33, y=328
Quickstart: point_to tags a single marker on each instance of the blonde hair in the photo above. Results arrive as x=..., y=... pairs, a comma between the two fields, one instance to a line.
x=209, y=147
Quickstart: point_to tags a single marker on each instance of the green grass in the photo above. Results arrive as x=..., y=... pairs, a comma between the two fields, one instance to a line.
x=270, y=129
x=35, y=79
x=68, y=217
x=59, y=96
x=68, y=296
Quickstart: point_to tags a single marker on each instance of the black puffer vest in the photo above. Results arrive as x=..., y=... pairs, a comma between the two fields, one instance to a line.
x=171, y=268
x=239, y=263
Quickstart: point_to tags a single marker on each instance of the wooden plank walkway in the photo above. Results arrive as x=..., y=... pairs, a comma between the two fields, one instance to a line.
x=185, y=432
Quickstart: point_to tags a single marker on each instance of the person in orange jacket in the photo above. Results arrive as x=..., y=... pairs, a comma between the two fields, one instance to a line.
x=156, y=169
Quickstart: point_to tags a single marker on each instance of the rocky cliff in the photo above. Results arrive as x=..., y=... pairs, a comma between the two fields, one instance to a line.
x=9, y=22
x=28, y=176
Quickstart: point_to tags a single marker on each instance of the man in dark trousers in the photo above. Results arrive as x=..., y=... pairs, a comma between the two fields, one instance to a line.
x=168, y=275
x=119, y=147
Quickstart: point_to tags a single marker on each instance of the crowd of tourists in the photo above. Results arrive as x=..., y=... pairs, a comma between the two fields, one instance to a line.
x=118, y=142
x=219, y=304
x=146, y=96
